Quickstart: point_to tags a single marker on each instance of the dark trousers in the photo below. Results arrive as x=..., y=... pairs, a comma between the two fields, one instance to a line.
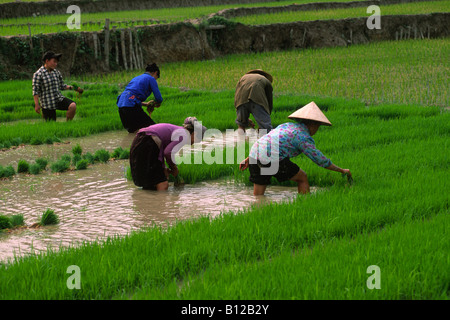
x=134, y=118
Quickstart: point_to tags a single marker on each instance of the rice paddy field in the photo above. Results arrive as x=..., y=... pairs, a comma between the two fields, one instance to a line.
x=389, y=105
x=126, y=19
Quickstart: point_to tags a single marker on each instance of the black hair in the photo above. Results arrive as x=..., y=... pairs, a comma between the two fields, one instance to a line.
x=153, y=68
x=189, y=127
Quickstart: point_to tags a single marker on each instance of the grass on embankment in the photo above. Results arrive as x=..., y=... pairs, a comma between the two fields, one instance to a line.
x=95, y=21
x=328, y=14
x=394, y=216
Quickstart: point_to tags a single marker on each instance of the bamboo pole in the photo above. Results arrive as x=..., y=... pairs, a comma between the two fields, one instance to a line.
x=31, y=39
x=136, y=49
x=94, y=38
x=124, y=54
x=107, y=32
x=141, y=55
x=116, y=44
x=74, y=52
x=132, y=54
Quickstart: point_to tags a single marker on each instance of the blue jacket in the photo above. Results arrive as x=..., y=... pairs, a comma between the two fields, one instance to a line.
x=138, y=90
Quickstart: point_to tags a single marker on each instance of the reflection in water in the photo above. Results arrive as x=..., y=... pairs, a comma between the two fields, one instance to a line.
x=100, y=202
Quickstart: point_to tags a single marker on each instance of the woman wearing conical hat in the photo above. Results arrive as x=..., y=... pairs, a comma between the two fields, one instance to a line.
x=270, y=155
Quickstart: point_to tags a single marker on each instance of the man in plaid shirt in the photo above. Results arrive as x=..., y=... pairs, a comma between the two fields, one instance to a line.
x=47, y=83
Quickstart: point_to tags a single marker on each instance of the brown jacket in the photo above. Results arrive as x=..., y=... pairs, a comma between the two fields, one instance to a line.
x=254, y=87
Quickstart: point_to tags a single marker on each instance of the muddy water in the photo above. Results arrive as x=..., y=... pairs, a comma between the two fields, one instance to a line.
x=100, y=202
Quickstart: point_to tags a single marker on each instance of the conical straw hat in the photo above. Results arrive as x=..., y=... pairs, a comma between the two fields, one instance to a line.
x=263, y=73
x=311, y=112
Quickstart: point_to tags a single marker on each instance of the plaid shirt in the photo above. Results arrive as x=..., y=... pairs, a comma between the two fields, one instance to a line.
x=48, y=85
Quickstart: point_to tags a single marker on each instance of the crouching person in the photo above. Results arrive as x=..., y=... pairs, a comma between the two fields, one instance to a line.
x=270, y=155
x=47, y=83
x=157, y=144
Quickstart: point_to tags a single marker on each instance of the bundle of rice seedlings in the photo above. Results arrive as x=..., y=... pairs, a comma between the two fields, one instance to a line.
x=125, y=154
x=49, y=217
x=60, y=166
x=17, y=220
x=89, y=157
x=7, y=171
x=35, y=168
x=5, y=222
x=42, y=163
x=23, y=166
x=101, y=155
x=82, y=164
x=76, y=158
x=116, y=153
x=120, y=153
x=77, y=150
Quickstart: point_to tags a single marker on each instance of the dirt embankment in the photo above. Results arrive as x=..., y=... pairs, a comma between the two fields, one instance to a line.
x=85, y=53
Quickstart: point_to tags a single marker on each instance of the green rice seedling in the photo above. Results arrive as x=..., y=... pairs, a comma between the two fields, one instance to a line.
x=128, y=175
x=116, y=153
x=35, y=141
x=60, y=166
x=49, y=218
x=48, y=140
x=5, y=222
x=17, y=220
x=8, y=171
x=66, y=157
x=125, y=154
x=77, y=150
x=101, y=155
x=89, y=157
x=82, y=164
x=76, y=158
x=6, y=144
x=42, y=162
x=23, y=166
x=35, y=168
x=16, y=141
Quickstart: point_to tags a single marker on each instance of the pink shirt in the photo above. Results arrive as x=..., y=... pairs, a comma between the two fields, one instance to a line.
x=172, y=137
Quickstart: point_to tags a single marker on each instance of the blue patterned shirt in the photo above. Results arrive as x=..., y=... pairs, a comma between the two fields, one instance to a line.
x=293, y=139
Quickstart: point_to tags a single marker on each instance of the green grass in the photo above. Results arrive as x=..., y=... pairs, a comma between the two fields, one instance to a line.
x=122, y=19
x=393, y=216
x=335, y=270
x=394, y=9
x=406, y=72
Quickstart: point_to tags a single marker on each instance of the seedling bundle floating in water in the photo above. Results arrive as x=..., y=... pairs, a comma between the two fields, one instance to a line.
x=49, y=218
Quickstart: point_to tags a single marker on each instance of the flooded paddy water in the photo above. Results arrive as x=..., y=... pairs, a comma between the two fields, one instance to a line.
x=99, y=202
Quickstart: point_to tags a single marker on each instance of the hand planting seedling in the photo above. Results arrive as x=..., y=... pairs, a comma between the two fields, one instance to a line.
x=77, y=89
x=178, y=181
x=349, y=178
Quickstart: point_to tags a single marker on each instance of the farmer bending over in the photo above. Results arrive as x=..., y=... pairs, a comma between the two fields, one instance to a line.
x=254, y=95
x=131, y=100
x=292, y=139
x=47, y=83
x=156, y=144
